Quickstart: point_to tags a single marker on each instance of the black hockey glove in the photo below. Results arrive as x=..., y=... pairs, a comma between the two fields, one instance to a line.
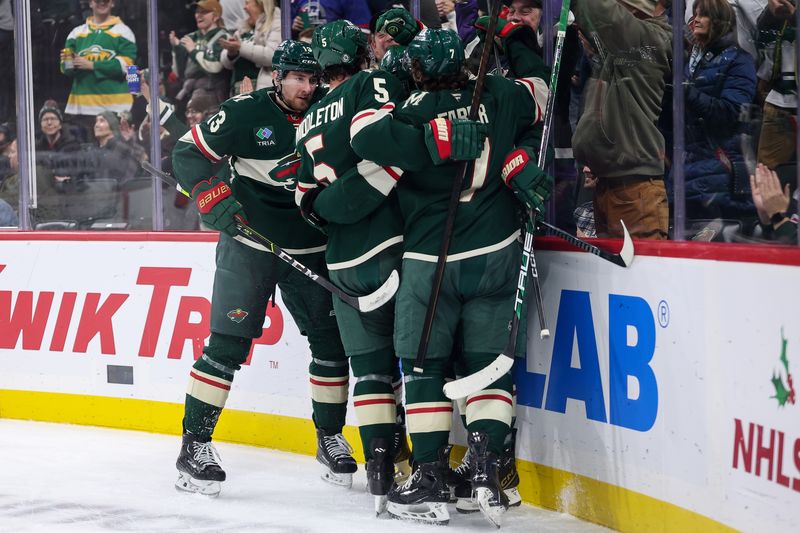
x=308, y=212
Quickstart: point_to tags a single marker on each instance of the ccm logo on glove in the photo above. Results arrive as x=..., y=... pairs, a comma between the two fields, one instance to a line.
x=514, y=163
x=208, y=199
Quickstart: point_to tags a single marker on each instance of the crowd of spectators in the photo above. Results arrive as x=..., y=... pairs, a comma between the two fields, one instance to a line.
x=612, y=119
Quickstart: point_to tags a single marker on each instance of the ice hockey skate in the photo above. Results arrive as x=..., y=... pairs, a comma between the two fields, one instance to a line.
x=424, y=496
x=461, y=483
x=380, y=473
x=198, y=467
x=492, y=500
x=336, y=455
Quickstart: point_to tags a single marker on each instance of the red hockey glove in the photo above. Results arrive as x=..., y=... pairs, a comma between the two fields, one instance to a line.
x=531, y=185
x=218, y=208
x=456, y=140
x=505, y=30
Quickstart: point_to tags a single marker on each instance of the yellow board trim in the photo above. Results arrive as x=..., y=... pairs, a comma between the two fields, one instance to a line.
x=543, y=486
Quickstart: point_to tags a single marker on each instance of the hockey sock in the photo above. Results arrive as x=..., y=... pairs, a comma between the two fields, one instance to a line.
x=373, y=396
x=490, y=410
x=428, y=411
x=210, y=382
x=329, y=374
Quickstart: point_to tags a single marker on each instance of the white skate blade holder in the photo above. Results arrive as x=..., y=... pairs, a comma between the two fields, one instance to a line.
x=380, y=505
x=492, y=513
x=187, y=483
x=428, y=513
x=340, y=480
x=470, y=505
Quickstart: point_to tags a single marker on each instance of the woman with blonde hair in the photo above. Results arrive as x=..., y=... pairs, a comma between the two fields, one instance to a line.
x=249, y=52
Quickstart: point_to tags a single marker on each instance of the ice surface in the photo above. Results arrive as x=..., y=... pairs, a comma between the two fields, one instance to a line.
x=58, y=478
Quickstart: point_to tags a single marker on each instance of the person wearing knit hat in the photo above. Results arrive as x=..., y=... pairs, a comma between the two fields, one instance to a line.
x=106, y=126
x=54, y=138
x=51, y=107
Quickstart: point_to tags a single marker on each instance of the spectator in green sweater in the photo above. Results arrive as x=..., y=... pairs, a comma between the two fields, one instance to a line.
x=96, y=56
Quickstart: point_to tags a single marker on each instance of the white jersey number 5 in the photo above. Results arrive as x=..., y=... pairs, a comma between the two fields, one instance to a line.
x=381, y=94
x=322, y=173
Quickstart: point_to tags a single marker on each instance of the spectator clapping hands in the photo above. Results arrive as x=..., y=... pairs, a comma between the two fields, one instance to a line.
x=768, y=196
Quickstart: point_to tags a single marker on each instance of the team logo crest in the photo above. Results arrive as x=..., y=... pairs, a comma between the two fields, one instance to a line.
x=237, y=315
x=265, y=136
x=97, y=53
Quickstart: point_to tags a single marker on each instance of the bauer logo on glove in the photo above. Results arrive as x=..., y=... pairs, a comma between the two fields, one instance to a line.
x=210, y=197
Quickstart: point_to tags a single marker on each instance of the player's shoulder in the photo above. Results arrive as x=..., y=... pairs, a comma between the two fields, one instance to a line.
x=496, y=82
x=419, y=106
x=247, y=104
x=121, y=29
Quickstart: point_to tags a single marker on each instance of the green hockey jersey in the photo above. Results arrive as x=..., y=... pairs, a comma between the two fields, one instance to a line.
x=111, y=47
x=487, y=218
x=256, y=133
x=323, y=140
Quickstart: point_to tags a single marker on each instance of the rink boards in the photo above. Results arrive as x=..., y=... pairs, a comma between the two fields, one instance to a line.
x=663, y=401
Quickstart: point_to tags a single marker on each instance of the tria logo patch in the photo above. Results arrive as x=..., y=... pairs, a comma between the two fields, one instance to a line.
x=265, y=136
x=237, y=315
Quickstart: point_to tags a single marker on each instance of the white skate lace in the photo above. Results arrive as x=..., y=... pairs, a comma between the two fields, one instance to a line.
x=205, y=454
x=337, y=446
x=413, y=478
x=463, y=468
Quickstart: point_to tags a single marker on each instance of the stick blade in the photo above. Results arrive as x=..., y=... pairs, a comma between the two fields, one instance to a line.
x=383, y=294
x=481, y=379
x=626, y=254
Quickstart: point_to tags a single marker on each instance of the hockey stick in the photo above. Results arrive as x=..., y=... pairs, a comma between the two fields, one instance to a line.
x=484, y=377
x=455, y=196
x=624, y=258
x=365, y=304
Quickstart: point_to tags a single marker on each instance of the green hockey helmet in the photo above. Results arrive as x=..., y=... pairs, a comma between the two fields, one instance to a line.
x=439, y=52
x=394, y=61
x=337, y=43
x=294, y=55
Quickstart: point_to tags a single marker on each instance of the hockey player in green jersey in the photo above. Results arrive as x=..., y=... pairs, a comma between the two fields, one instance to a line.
x=257, y=130
x=477, y=295
x=354, y=200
